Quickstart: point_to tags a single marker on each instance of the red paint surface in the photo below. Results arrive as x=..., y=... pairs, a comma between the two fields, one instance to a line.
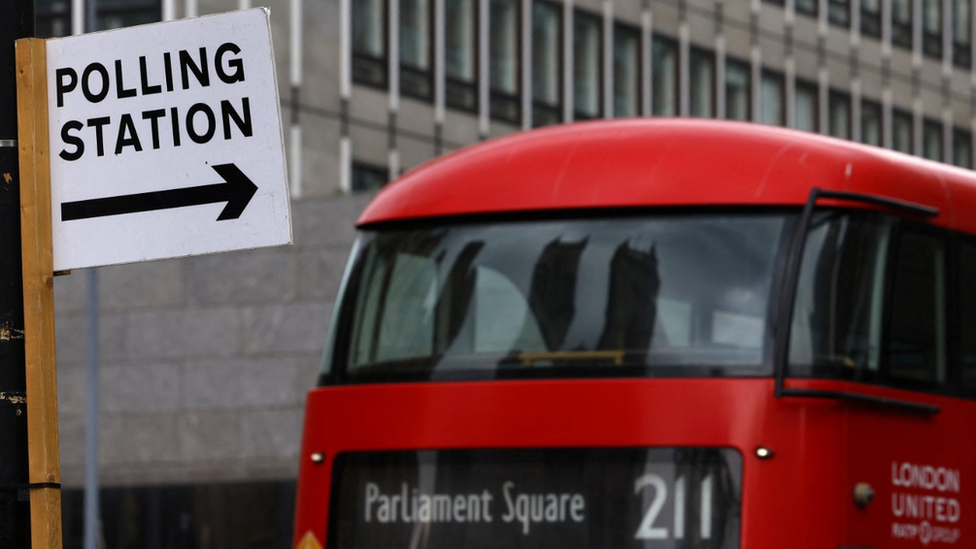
x=802, y=497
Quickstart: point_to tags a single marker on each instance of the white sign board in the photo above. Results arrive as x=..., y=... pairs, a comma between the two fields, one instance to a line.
x=166, y=141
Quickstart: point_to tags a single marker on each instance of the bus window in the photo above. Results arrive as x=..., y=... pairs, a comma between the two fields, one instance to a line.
x=916, y=351
x=967, y=317
x=837, y=316
x=675, y=291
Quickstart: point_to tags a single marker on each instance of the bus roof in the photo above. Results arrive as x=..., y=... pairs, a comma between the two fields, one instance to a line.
x=667, y=162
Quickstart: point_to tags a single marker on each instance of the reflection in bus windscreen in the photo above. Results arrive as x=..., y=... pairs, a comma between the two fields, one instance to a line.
x=668, y=498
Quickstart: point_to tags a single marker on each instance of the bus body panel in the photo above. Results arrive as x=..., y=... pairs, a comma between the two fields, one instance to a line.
x=641, y=163
x=801, y=497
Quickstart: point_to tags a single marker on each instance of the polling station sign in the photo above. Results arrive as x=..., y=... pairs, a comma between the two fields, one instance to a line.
x=166, y=141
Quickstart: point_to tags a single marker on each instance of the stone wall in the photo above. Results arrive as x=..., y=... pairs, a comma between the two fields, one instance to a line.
x=205, y=361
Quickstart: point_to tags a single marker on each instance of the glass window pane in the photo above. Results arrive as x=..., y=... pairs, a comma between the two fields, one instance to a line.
x=871, y=18
x=917, y=320
x=839, y=12
x=967, y=317
x=837, y=315
x=772, y=99
x=459, y=36
x=415, y=33
x=626, y=71
x=840, y=115
x=587, y=37
x=932, y=140
x=546, y=78
x=504, y=64
x=808, y=7
x=367, y=27
x=962, y=148
x=702, y=68
x=366, y=177
x=738, y=96
x=960, y=21
x=901, y=132
x=665, y=76
x=871, y=121
x=807, y=105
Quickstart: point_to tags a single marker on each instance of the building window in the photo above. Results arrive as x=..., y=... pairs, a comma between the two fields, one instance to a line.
x=932, y=27
x=368, y=177
x=806, y=113
x=839, y=12
x=839, y=105
x=461, y=54
x=902, y=136
x=664, y=63
x=807, y=7
x=871, y=18
x=702, y=67
x=53, y=17
x=587, y=39
x=504, y=66
x=932, y=145
x=772, y=99
x=738, y=93
x=415, y=52
x=901, y=23
x=369, y=42
x=962, y=148
x=961, y=34
x=626, y=70
x=546, y=63
x=871, y=123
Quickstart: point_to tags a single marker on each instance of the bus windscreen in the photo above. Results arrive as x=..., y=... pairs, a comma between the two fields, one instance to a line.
x=609, y=296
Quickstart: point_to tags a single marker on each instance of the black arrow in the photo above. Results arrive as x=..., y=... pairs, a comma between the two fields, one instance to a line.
x=236, y=191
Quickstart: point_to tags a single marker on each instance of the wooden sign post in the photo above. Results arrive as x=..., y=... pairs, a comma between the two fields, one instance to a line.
x=38, y=269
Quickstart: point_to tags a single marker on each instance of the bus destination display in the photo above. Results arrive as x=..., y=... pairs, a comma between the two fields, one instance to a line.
x=668, y=498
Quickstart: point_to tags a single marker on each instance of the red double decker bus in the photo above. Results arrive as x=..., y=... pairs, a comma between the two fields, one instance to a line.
x=653, y=333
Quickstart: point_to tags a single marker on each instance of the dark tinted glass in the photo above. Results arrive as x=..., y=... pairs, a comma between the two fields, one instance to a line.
x=917, y=323
x=967, y=317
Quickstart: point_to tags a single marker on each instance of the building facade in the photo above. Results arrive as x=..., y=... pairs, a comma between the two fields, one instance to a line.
x=205, y=361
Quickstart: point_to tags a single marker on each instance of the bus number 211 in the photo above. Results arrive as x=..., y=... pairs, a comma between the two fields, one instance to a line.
x=647, y=530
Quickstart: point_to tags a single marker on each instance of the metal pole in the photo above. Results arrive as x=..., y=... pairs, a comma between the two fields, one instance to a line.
x=92, y=484
x=91, y=418
x=16, y=21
